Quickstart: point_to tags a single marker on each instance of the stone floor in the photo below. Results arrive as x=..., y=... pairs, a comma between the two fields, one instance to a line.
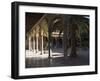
x=40, y=61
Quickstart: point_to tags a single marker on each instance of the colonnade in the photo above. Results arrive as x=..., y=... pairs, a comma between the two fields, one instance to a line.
x=34, y=42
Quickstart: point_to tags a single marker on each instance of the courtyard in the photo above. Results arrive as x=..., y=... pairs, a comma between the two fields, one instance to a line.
x=54, y=40
x=58, y=59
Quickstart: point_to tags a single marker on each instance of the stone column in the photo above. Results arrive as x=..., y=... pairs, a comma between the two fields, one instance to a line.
x=33, y=44
x=66, y=22
x=30, y=44
x=42, y=51
x=37, y=42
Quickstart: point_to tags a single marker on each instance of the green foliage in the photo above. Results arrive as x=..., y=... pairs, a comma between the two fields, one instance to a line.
x=82, y=25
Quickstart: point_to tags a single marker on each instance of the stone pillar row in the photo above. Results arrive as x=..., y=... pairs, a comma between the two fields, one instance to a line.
x=35, y=48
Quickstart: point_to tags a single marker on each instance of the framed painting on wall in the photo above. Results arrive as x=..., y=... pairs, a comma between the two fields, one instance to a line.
x=51, y=40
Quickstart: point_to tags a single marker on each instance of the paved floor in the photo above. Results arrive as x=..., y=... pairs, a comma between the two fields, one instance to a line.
x=81, y=59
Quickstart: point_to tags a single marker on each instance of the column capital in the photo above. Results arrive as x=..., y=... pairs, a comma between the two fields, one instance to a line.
x=41, y=32
x=37, y=35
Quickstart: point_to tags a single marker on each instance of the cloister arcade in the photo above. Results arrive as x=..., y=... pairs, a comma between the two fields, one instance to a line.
x=37, y=38
x=50, y=40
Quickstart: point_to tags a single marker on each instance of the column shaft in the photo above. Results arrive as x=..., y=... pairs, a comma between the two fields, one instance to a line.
x=37, y=43
x=33, y=44
x=42, y=45
x=30, y=43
